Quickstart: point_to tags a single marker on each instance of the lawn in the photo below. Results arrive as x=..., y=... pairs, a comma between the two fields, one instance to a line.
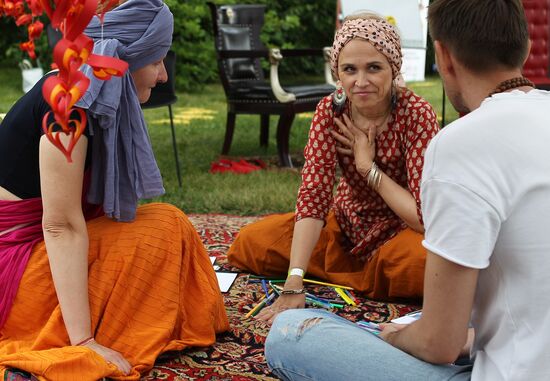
x=200, y=127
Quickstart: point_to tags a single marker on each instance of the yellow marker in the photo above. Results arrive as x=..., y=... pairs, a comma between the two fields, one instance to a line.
x=259, y=306
x=344, y=296
x=327, y=284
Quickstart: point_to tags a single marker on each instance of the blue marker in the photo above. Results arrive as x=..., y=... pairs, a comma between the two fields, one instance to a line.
x=266, y=291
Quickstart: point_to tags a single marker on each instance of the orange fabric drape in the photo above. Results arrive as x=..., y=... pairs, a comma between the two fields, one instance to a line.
x=396, y=271
x=152, y=289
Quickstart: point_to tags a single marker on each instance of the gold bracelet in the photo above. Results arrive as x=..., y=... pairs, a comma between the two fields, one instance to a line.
x=374, y=177
x=294, y=292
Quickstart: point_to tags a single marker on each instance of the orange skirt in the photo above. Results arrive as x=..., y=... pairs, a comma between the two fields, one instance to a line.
x=395, y=271
x=152, y=289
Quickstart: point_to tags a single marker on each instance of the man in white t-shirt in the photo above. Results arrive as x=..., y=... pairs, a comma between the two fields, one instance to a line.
x=486, y=204
x=486, y=201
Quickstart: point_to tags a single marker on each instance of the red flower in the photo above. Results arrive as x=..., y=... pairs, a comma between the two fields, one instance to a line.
x=24, y=19
x=14, y=8
x=29, y=48
x=35, y=30
x=35, y=7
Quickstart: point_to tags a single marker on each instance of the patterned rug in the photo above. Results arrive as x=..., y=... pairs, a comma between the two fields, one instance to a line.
x=238, y=354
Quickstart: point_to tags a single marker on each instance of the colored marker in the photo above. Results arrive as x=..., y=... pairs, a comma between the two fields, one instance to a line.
x=344, y=296
x=264, y=287
x=326, y=284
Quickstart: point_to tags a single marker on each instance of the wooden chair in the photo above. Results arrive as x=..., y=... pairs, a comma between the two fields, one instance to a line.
x=239, y=50
x=537, y=66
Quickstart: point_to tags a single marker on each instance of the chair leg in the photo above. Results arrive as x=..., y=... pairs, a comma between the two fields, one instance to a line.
x=174, y=145
x=283, y=135
x=264, y=131
x=229, y=128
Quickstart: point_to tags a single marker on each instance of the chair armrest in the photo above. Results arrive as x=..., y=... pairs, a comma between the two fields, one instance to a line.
x=328, y=72
x=275, y=56
x=325, y=52
x=282, y=96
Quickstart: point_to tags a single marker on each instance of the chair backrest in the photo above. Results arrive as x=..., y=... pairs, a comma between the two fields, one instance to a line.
x=238, y=27
x=537, y=13
x=164, y=94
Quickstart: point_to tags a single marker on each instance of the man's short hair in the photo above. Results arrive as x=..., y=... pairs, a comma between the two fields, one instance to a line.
x=481, y=34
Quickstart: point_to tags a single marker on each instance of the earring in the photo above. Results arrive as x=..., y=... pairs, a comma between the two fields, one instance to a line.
x=393, y=99
x=338, y=99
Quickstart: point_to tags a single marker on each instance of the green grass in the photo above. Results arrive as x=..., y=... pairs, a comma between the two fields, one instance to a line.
x=200, y=128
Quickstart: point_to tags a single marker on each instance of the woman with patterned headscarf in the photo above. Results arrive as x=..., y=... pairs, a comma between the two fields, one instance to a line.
x=368, y=235
x=87, y=297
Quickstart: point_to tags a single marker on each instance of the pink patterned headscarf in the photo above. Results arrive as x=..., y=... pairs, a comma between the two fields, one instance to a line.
x=380, y=33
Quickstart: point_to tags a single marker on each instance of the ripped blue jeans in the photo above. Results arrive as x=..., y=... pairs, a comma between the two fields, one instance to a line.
x=311, y=344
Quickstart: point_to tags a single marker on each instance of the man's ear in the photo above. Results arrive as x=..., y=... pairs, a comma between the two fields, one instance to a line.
x=529, y=45
x=443, y=59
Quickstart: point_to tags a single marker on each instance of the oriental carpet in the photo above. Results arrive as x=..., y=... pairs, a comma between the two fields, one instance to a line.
x=238, y=353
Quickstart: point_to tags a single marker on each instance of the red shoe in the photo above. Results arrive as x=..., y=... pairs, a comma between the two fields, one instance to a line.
x=246, y=163
x=218, y=167
x=237, y=166
x=226, y=165
x=258, y=163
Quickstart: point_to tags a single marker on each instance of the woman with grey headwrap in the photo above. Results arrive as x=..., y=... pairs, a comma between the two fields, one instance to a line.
x=88, y=297
x=368, y=235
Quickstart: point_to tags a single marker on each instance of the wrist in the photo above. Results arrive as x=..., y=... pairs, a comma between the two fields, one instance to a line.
x=363, y=167
x=374, y=177
x=293, y=282
x=296, y=271
x=84, y=342
x=74, y=339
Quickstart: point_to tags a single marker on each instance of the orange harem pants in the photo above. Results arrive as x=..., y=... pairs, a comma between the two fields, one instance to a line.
x=395, y=271
x=152, y=289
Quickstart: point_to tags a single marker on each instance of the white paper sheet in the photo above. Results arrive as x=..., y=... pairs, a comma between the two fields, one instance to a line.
x=225, y=280
x=408, y=319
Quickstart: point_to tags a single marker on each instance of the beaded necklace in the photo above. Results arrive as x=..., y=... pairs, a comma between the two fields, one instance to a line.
x=510, y=84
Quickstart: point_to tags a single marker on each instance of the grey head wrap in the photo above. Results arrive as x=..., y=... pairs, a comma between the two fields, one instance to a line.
x=123, y=168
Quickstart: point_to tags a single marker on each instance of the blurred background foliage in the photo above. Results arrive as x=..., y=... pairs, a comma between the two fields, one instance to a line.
x=288, y=24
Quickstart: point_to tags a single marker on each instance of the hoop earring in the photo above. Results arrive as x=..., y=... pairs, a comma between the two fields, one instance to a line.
x=338, y=99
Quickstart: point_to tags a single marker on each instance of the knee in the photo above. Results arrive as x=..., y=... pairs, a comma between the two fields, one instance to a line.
x=164, y=210
x=166, y=218
x=287, y=330
x=247, y=233
x=247, y=236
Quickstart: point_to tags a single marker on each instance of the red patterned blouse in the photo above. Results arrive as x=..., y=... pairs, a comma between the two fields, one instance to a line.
x=361, y=213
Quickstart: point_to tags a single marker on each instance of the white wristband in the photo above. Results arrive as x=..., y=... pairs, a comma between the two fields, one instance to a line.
x=296, y=271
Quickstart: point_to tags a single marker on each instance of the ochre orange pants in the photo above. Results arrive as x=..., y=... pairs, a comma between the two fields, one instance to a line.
x=394, y=272
x=152, y=289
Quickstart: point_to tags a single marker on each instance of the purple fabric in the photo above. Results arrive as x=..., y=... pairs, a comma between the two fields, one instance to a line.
x=16, y=246
x=124, y=168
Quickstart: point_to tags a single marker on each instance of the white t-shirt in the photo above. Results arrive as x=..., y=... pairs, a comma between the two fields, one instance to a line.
x=485, y=198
